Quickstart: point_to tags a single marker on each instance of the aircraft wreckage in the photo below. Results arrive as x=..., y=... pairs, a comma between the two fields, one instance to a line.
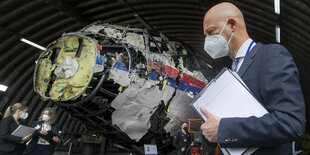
x=125, y=83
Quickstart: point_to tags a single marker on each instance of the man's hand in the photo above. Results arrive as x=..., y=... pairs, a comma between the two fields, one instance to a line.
x=183, y=149
x=56, y=139
x=211, y=126
x=43, y=132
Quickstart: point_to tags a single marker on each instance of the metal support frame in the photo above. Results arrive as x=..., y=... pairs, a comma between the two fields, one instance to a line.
x=88, y=149
x=69, y=10
x=15, y=34
x=102, y=146
x=138, y=16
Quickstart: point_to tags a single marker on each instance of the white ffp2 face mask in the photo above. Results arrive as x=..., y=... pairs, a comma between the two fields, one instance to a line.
x=45, y=117
x=24, y=115
x=216, y=45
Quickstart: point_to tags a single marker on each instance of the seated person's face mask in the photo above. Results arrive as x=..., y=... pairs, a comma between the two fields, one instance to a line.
x=45, y=117
x=216, y=45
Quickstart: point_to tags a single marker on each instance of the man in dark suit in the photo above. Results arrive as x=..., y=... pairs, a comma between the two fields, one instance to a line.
x=272, y=76
x=181, y=139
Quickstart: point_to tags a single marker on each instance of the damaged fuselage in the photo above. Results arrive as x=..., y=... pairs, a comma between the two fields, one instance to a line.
x=124, y=82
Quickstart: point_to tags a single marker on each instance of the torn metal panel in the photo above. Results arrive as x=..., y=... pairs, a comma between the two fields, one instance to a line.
x=196, y=74
x=163, y=58
x=140, y=98
x=113, y=33
x=93, y=28
x=167, y=93
x=180, y=111
x=143, y=93
x=135, y=40
x=132, y=119
x=119, y=76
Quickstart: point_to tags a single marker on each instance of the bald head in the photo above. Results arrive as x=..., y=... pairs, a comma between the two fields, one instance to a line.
x=215, y=19
x=222, y=12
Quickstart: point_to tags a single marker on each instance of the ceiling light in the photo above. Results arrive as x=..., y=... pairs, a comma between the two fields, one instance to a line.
x=3, y=87
x=209, y=66
x=277, y=7
x=32, y=44
x=278, y=34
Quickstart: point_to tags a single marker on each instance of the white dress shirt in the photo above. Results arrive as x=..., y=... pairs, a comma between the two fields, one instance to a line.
x=41, y=140
x=242, y=52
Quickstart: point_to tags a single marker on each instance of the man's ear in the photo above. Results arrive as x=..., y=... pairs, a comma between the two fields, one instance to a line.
x=232, y=24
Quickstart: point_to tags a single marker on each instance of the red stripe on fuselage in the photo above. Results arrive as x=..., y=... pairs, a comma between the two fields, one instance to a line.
x=192, y=81
x=165, y=69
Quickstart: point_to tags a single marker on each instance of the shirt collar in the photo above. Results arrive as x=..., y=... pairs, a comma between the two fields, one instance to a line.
x=242, y=50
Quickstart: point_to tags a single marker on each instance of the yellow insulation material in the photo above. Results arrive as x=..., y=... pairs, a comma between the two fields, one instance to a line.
x=73, y=87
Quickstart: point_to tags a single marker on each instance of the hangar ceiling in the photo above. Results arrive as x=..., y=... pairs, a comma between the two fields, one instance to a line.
x=43, y=21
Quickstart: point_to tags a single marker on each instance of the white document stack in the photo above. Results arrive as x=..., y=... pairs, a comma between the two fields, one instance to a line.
x=228, y=96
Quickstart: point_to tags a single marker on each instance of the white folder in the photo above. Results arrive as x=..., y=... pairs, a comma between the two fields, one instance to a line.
x=23, y=131
x=228, y=96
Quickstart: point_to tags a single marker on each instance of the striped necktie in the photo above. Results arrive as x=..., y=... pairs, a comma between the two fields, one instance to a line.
x=235, y=64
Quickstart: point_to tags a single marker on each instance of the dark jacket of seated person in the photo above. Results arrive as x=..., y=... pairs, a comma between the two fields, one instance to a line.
x=40, y=145
x=9, y=144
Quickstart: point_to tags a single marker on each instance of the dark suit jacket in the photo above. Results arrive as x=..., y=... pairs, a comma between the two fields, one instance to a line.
x=272, y=76
x=34, y=142
x=8, y=143
x=181, y=140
